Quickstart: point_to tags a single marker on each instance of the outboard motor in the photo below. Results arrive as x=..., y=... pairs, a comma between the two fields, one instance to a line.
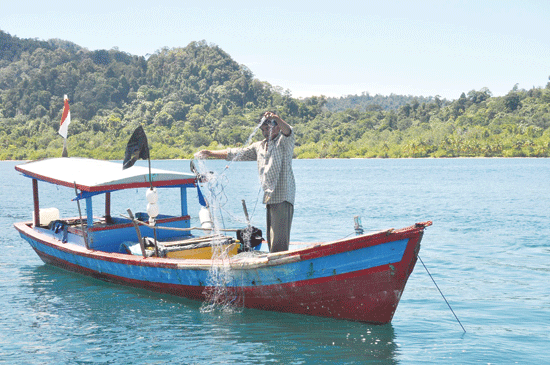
x=250, y=237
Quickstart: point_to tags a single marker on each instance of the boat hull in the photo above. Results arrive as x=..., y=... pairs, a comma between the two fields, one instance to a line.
x=358, y=279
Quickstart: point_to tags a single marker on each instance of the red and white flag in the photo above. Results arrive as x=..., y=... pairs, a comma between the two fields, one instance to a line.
x=65, y=118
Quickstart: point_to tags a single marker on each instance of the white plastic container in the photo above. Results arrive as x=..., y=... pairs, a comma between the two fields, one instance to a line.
x=205, y=219
x=47, y=215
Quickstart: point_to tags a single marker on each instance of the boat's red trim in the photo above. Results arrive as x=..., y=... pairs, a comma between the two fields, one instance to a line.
x=140, y=185
x=358, y=242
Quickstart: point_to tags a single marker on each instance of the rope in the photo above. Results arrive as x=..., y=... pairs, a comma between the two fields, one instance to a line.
x=441, y=294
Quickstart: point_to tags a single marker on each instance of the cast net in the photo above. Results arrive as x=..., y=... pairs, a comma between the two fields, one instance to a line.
x=223, y=289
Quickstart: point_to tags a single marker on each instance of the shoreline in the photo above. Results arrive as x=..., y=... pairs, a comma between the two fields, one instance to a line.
x=337, y=158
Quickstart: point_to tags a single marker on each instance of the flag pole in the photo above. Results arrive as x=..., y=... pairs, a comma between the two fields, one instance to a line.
x=150, y=179
x=65, y=153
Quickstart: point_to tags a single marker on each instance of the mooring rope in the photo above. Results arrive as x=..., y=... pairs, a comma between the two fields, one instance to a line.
x=441, y=293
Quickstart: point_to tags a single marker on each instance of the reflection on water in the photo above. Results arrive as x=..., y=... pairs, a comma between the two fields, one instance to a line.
x=78, y=315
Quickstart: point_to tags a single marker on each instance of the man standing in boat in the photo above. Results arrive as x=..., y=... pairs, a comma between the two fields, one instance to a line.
x=274, y=156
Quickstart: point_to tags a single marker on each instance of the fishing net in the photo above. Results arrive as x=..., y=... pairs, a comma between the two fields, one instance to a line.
x=223, y=289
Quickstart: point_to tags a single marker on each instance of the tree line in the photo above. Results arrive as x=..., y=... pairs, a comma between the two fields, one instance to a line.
x=198, y=97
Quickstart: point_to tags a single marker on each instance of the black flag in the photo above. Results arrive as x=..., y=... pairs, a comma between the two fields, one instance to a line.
x=137, y=148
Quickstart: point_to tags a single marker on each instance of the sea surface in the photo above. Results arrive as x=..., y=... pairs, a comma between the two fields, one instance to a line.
x=488, y=251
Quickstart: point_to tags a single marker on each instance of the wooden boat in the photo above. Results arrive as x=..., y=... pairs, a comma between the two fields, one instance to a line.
x=360, y=278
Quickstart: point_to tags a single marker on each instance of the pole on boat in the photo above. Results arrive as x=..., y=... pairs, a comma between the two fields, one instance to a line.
x=246, y=213
x=64, y=153
x=153, y=211
x=140, y=239
x=358, y=226
x=150, y=178
x=441, y=294
x=138, y=148
x=246, y=235
x=84, y=234
x=36, y=202
x=108, y=207
x=156, y=243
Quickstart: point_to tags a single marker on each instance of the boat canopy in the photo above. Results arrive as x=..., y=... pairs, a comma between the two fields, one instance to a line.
x=96, y=176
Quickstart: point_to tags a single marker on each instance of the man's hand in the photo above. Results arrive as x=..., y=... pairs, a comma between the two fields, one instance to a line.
x=203, y=154
x=283, y=126
x=220, y=154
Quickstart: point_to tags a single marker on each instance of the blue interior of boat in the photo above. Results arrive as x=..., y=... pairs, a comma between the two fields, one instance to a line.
x=108, y=234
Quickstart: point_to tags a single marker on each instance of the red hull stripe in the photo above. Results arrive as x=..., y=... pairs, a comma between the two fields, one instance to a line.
x=375, y=300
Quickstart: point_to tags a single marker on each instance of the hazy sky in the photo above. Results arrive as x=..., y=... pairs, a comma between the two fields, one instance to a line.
x=321, y=48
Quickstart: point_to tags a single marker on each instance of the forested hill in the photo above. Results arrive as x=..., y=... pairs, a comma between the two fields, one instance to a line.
x=198, y=96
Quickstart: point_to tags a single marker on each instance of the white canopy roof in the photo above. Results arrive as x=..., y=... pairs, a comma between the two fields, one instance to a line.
x=97, y=175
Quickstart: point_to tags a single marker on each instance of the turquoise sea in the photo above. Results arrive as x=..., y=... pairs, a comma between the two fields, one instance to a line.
x=488, y=250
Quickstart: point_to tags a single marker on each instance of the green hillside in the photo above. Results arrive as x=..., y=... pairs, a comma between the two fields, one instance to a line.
x=198, y=96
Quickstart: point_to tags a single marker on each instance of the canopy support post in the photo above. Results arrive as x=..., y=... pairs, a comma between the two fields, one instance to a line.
x=108, y=206
x=84, y=233
x=36, y=220
x=183, y=194
x=89, y=213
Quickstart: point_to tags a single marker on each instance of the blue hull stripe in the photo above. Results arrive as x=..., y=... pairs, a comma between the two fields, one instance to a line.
x=342, y=263
x=327, y=266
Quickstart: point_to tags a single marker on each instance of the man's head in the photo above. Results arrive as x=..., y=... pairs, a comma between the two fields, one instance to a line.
x=269, y=126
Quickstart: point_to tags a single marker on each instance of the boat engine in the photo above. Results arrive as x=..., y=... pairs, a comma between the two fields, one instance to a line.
x=250, y=237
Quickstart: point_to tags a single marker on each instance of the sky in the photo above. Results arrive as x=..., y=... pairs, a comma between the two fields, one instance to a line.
x=336, y=48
